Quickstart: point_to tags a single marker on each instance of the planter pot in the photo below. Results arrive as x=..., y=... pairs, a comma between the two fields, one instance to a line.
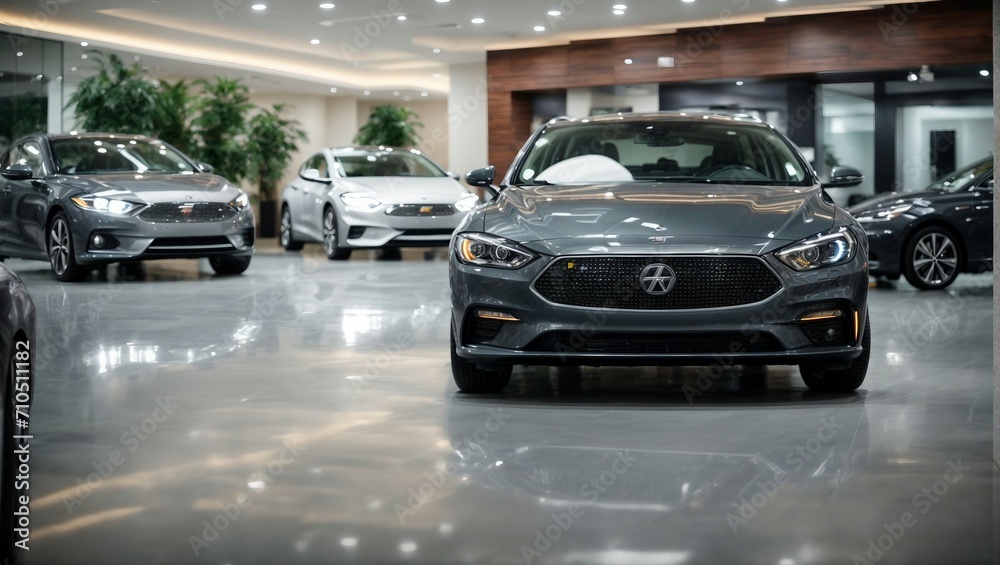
x=268, y=218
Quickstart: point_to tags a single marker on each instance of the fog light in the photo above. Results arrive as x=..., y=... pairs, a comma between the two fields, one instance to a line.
x=97, y=242
x=237, y=240
x=821, y=315
x=494, y=315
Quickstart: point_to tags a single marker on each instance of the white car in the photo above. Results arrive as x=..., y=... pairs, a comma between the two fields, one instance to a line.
x=372, y=197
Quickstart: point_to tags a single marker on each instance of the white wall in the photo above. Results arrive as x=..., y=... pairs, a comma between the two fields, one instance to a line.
x=467, y=121
x=432, y=113
x=973, y=127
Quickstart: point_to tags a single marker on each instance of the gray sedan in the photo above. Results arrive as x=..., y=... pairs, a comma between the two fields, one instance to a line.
x=370, y=197
x=80, y=201
x=659, y=239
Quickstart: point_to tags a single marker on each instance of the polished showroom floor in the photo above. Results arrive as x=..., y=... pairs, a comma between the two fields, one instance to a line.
x=305, y=413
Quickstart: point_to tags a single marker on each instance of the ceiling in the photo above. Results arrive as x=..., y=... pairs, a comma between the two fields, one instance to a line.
x=358, y=46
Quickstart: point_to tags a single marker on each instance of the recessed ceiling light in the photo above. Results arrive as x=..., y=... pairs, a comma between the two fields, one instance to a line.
x=368, y=93
x=21, y=54
x=442, y=1
x=688, y=1
x=478, y=20
x=401, y=17
x=436, y=50
x=437, y=75
x=326, y=6
x=406, y=98
x=84, y=44
x=620, y=7
x=539, y=28
x=424, y=94
x=395, y=93
x=618, y=12
x=555, y=13
x=739, y=83
x=628, y=61
x=72, y=69
x=84, y=56
x=259, y=7
x=984, y=73
x=314, y=41
x=333, y=89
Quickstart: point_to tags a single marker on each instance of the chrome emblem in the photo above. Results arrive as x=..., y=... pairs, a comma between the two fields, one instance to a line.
x=186, y=209
x=657, y=279
x=426, y=209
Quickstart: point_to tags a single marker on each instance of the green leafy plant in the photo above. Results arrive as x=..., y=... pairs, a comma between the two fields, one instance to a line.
x=390, y=125
x=21, y=114
x=118, y=98
x=273, y=139
x=220, y=126
x=175, y=116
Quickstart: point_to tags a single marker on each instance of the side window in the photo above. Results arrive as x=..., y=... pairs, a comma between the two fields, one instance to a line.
x=7, y=160
x=31, y=154
x=317, y=162
x=986, y=183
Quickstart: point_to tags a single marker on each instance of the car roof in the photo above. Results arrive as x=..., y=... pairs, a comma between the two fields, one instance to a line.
x=96, y=135
x=664, y=117
x=347, y=149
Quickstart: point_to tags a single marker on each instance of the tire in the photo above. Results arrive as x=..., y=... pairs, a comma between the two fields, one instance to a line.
x=931, y=258
x=822, y=379
x=286, y=237
x=61, y=251
x=226, y=266
x=471, y=378
x=333, y=251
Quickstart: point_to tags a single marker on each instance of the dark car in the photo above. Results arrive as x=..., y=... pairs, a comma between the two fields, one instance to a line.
x=17, y=348
x=649, y=239
x=81, y=201
x=933, y=235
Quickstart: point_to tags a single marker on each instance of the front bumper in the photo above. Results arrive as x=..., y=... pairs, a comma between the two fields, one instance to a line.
x=370, y=230
x=135, y=239
x=885, y=245
x=742, y=329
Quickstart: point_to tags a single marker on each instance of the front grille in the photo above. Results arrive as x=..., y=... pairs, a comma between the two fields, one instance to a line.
x=440, y=232
x=481, y=330
x=187, y=212
x=181, y=244
x=706, y=343
x=421, y=210
x=613, y=282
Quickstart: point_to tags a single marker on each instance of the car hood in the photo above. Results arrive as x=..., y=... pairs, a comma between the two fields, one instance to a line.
x=407, y=190
x=661, y=217
x=157, y=188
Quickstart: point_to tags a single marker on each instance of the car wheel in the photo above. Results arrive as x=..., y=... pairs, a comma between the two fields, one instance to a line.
x=333, y=251
x=286, y=238
x=931, y=260
x=229, y=265
x=818, y=377
x=62, y=256
x=470, y=378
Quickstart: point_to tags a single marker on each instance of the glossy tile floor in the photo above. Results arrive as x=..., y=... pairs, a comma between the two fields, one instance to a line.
x=305, y=413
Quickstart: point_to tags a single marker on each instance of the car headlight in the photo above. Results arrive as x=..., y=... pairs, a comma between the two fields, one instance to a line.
x=821, y=250
x=241, y=201
x=489, y=251
x=884, y=215
x=106, y=205
x=468, y=202
x=360, y=203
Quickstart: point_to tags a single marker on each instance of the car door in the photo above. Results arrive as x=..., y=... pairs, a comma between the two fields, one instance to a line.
x=22, y=205
x=313, y=184
x=980, y=239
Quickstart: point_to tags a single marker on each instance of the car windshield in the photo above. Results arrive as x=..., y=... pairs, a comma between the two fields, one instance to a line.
x=91, y=155
x=657, y=150
x=960, y=180
x=386, y=163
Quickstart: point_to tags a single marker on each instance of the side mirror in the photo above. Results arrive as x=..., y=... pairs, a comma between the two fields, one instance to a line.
x=483, y=178
x=312, y=175
x=18, y=172
x=843, y=177
x=205, y=168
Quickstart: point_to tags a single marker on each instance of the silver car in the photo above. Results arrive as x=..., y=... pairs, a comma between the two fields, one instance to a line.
x=652, y=239
x=81, y=201
x=371, y=197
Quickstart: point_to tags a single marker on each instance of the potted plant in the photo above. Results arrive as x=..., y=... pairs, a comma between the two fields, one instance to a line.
x=118, y=98
x=273, y=139
x=389, y=125
x=220, y=127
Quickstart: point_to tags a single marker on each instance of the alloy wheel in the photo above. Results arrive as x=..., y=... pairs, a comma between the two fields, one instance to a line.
x=59, y=246
x=286, y=228
x=935, y=259
x=330, y=232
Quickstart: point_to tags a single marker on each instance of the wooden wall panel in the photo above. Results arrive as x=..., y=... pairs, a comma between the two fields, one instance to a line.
x=905, y=36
